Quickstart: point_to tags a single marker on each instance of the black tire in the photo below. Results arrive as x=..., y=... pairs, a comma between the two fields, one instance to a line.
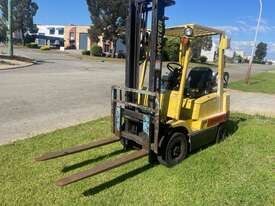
x=222, y=133
x=174, y=150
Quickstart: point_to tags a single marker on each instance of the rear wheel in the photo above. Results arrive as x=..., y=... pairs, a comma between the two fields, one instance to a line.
x=174, y=150
x=223, y=133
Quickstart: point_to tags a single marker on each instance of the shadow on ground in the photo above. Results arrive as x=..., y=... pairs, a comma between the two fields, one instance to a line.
x=90, y=161
x=117, y=180
x=232, y=125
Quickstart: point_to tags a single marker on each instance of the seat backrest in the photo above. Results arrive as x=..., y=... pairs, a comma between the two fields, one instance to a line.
x=200, y=79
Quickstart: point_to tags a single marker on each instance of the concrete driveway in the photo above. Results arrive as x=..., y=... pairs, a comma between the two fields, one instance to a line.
x=253, y=103
x=60, y=91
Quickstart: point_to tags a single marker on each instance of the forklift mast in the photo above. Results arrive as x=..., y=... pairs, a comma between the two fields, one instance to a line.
x=139, y=42
x=136, y=30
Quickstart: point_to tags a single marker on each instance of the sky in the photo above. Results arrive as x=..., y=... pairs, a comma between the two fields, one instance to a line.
x=237, y=17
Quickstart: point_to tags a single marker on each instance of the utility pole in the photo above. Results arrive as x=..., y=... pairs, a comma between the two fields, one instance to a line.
x=254, y=45
x=10, y=27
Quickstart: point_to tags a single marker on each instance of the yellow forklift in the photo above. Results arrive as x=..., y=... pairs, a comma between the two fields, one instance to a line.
x=164, y=117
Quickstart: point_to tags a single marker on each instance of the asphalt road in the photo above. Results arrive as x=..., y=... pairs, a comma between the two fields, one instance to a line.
x=60, y=91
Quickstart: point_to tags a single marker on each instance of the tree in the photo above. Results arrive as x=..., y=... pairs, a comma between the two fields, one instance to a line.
x=3, y=21
x=3, y=30
x=25, y=10
x=261, y=52
x=171, y=49
x=200, y=43
x=108, y=18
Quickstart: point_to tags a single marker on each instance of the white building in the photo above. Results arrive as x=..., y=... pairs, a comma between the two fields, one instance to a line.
x=51, y=30
x=272, y=61
x=211, y=53
x=229, y=53
x=240, y=53
x=52, y=35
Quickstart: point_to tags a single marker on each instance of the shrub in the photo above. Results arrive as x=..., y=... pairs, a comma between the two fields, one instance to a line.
x=86, y=52
x=29, y=39
x=45, y=48
x=96, y=50
x=203, y=59
x=70, y=47
x=195, y=60
x=33, y=45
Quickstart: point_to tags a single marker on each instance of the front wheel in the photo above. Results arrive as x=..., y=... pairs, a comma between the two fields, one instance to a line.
x=174, y=150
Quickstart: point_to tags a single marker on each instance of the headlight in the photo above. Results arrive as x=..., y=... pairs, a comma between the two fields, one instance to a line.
x=188, y=32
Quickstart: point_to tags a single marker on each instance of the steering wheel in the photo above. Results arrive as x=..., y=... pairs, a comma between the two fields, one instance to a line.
x=174, y=66
x=226, y=77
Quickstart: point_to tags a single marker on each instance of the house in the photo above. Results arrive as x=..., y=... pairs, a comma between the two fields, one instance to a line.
x=51, y=35
x=77, y=37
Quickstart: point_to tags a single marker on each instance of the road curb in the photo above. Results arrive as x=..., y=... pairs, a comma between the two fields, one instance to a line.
x=18, y=67
x=28, y=62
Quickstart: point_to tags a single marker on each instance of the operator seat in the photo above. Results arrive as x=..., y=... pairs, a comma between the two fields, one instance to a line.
x=200, y=82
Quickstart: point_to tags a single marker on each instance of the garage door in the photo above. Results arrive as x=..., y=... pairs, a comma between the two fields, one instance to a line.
x=83, y=41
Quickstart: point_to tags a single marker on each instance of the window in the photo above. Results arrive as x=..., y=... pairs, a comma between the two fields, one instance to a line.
x=61, y=31
x=41, y=42
x=72, y=36
x=52, y=31
x=52, y=42
x=41, y=34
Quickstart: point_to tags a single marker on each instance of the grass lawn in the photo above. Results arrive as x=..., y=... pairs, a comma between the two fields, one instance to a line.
x=239, y=171
x=263, y=82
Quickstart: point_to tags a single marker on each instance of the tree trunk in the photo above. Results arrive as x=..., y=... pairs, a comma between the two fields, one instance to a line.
x=114, y=48
x=23, y=37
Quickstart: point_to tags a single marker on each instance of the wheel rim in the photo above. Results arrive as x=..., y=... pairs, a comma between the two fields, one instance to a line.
x=175, y=151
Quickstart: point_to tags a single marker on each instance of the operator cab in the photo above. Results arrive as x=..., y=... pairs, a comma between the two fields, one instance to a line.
x=200, y=80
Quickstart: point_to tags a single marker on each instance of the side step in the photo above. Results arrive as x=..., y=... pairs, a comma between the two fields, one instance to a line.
x=102, y=168
x=77, y=149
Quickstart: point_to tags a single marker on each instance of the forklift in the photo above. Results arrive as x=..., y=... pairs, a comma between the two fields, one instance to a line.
x=163, y=117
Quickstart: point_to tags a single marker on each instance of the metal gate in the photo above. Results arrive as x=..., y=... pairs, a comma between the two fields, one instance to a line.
x=83, y=41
